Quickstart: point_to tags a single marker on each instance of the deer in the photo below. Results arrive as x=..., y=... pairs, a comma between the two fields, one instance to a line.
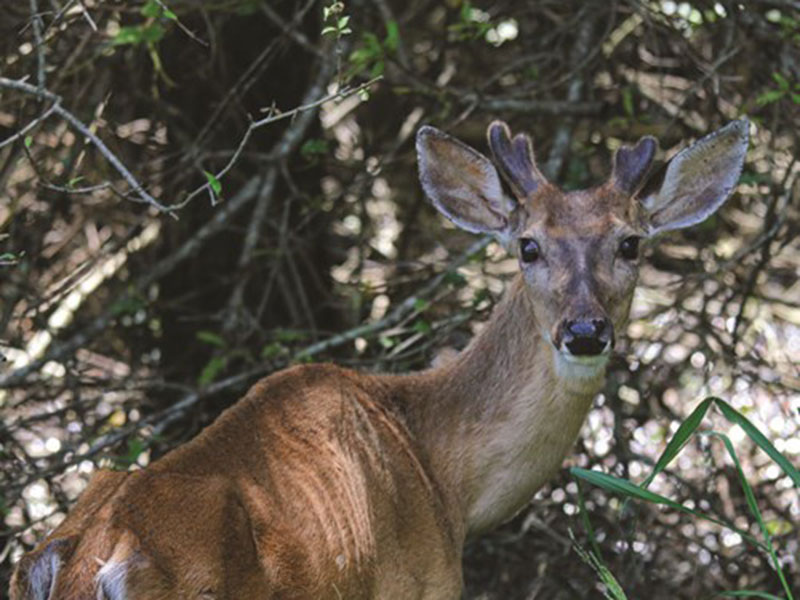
x=324, y=482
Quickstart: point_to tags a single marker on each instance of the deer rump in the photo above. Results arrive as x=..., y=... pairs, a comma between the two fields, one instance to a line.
x=279, y=498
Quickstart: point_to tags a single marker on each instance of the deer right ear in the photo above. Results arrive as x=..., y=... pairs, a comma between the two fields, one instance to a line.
x=462, y=183
x=698, y=180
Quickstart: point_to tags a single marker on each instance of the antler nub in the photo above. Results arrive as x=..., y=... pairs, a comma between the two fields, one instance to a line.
x=631, y=164
x=515, y=159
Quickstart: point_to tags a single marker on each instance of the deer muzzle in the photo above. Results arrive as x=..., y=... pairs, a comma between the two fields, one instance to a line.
x=585, y=337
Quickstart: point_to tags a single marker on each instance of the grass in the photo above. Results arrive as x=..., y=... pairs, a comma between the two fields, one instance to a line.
x=631, y=491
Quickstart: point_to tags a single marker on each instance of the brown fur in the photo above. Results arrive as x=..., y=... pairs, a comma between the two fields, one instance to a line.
x=326, y=483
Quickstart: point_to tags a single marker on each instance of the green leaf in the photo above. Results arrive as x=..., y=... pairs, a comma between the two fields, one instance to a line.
x=613, y=589
x=627, y=101
x=215, y=184
x=156, y=10
x=750, y=177
x=392, y=36
x=587, y=523
x=209, y=337
x=480, y=295
x=152, y=34
x=139, y=34
x=135, y=448
x=627, y=489
x=455, y=279
x=782, y=82
x=127, y=305
x=28, y=141
x=623, y=487
x=127, y=35
x=760, y=440
x=314, y=147
x=770, y=97
x=679, y=440
x=421, y=305
x=747, y=594
x=151, y=9
x=377, y=70
x=211, y=370
x=330, y=30
x=342, y=22
x=290, y=335
x=422, y=326
x=273, y=350
x=753, y=506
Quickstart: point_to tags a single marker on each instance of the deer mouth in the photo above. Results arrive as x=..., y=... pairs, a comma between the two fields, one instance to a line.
x=587, y=359
x=577, y=367
x=582, y=348
x=584, y=338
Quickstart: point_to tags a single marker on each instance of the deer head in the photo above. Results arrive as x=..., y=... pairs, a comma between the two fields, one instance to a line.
x=578, y=251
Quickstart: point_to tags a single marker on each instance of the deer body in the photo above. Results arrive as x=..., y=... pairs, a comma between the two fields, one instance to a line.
x=327, y=483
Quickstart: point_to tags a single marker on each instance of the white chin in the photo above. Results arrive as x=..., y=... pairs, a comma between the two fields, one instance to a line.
x=569, y=366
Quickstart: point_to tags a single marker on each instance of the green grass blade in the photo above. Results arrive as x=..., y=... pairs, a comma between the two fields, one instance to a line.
x=747, y=594
x=627, y=489
x=613, y=590
x=753, y=505
x=734, y=416
x=680, y=439
x=587, y=524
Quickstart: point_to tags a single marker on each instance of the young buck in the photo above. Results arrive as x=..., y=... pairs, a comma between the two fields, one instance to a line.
x=327, y=483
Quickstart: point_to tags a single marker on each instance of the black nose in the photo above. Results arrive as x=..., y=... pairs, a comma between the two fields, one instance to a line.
x=587, y=337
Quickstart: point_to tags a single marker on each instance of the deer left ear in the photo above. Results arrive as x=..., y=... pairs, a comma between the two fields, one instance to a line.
x=698, y=180
x=462, y=183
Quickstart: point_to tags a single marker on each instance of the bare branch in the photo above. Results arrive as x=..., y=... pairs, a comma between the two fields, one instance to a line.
x=22, y=132
x=291, y=138
x=39, y=43
x=183, y=27
x=343, y=93
x=86, y=132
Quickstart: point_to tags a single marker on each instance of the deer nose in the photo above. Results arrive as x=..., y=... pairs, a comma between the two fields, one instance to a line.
x=588, y=337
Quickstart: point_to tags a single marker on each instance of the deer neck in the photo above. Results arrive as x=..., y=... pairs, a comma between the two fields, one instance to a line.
x=498, y=419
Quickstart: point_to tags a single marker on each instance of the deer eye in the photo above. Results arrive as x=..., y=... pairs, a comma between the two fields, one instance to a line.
x=528, y=250
x=629, y=247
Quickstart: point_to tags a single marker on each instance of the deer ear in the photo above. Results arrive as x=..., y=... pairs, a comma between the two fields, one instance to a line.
x=462, y=183
x=698, y=180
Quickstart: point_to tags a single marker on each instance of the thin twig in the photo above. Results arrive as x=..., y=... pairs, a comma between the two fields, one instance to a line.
x=580, y=52
x=291, y=138
x=408, y=306
x=183, y=27
x=13, y=137
x=343, y=93
x=86, y=132
x=37, y=37
x=235, y=303
x=291, y=30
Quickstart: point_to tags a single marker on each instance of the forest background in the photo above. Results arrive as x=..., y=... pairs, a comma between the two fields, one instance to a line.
x=196, y=194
